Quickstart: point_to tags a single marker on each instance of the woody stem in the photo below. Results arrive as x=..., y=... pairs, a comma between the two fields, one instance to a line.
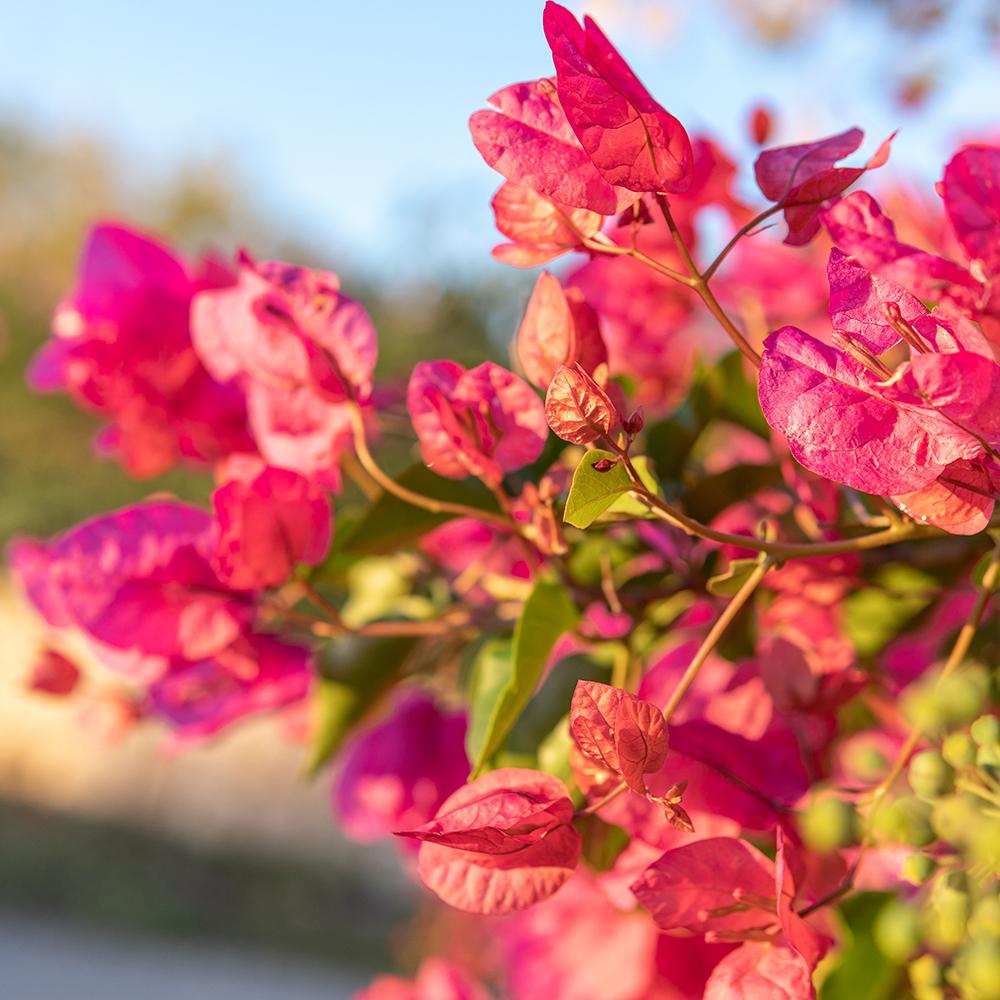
x=409, y=496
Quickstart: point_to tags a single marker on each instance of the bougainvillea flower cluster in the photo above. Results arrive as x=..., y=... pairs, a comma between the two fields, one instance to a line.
x=666, y=657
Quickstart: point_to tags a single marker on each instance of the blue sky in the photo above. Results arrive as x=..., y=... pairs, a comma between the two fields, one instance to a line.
x=349, y=118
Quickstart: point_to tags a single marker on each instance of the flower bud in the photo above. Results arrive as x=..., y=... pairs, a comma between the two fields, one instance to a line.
x=929, y=776
x=985, y=731
x=905, y=820
x=897, y=931
x=828, y=824
x=959, y=750
x=918, y=868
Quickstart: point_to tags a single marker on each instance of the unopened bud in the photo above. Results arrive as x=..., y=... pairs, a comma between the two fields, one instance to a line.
x=635, y=423
x=604, y=465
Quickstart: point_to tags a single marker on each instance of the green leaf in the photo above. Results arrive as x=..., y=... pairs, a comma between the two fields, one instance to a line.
x=728, y=583
x=629, y=505
x=594, y=493
x=591, y=492
x=347, y=689
x=490, y=674
x=390, y=523
x=547, y=614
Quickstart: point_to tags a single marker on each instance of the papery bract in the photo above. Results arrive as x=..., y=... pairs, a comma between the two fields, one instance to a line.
x=138, y=583
x=971, y=192
x=436, y=979
x=540, y=229
x=840, y=424
x=558, y=328
x=300, y=349
x=268, y=523
x=54, y=674
x=396, y=773
x=526, y=138
x=578, y=945
x=633, y=141
x=482, y=421
x=760, y=971
x=695, y=887
x=122, y=347
x=577, y=408
x=802, y=177
x=501, y=843
x=619, y=731
x=258, y=673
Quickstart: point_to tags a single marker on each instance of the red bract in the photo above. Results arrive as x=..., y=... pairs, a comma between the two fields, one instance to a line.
x=971, y=192
x=436, y=980
x=802, y=177
x=719, y=884
x=399, y=771
x=54, y=674
x=268, y=522
x=255, y=674
x=501, y=843
x=141, y=587
x=484, y=421
x=122, y=348
x=300, y=349
x=760, y=971
x=558, y=328
x=541, y=229
x=618, y=731
x=633, y=141
x=577, y=408
x=528, y=140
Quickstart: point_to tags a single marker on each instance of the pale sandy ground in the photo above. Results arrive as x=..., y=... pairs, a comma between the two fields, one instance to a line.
x=243, y=793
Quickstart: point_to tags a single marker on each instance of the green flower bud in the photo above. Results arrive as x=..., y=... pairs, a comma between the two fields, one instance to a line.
x=962, y=696
x=946, y=912
x=979, y=965
x=868, y=763
x=918, y=868
x=904, y=820
x=986, y=731
x=985, y=919
x=930, y=777
x=925, y=973
x=988, y=758
x=954, y=816
x=897, y=931
x=959, y=750
x=829, y=823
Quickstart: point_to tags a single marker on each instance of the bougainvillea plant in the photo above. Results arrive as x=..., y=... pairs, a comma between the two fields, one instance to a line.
x=672, y=655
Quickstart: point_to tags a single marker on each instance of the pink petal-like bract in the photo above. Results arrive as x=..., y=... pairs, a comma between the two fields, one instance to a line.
x=558, y=328
x=695, y=886
x=397, y=773
x=840, y=423
x=760, y=971
x=526, y=138
x=633, y=141
x=619, y=731
x=437, y=979
x=803, y=177
x=122, y=348
x=577, y=408
x=971, y=191
x=267, y=525
x=484, y=421
x=501, y=843
x=541, y=229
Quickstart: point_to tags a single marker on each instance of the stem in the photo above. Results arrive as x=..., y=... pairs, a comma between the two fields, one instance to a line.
x=610, y=249
x=699, y=282
x=411, y=497
x=780, y=550
x=740, y=233
x=715, y=634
